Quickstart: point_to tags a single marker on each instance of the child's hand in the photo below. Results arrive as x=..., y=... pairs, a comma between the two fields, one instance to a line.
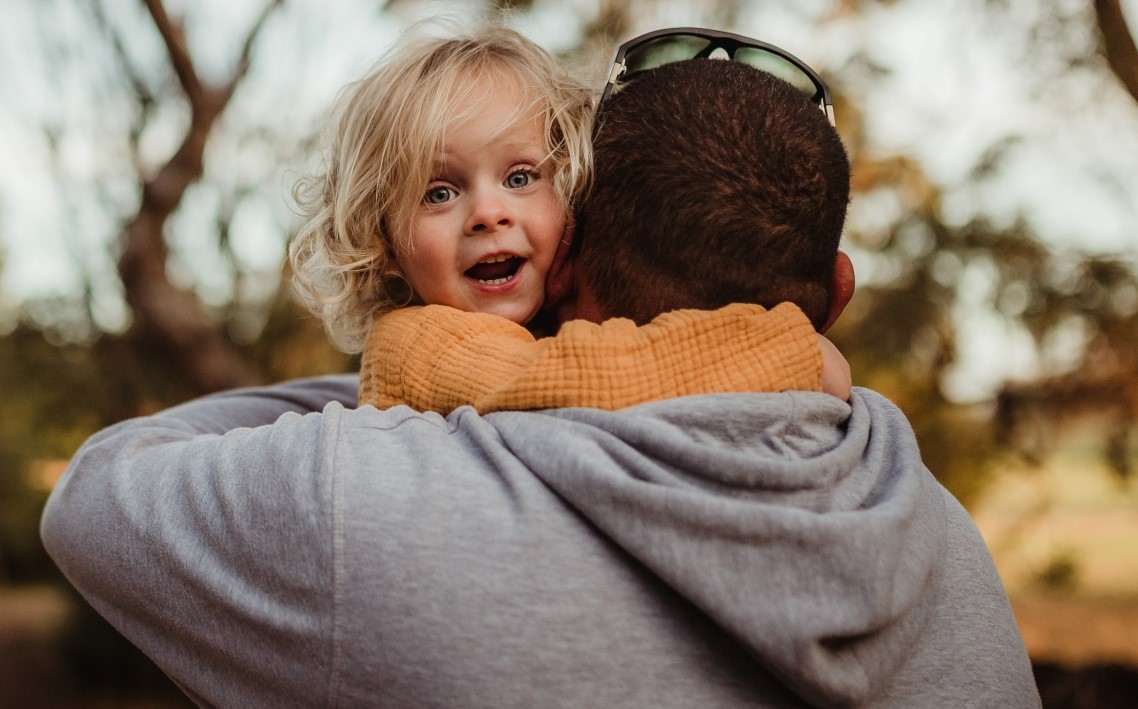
x=836, y=378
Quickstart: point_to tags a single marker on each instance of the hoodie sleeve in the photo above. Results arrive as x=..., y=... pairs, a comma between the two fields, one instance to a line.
x=166, y=523
x=436, y=358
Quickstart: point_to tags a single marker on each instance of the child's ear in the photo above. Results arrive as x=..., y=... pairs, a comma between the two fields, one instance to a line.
x=561, y=281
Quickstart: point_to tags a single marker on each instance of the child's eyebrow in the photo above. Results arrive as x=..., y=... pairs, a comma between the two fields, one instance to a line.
x=526, y=148
x=517, y=143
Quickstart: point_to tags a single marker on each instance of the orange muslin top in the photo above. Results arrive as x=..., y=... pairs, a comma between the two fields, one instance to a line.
x=436, y=358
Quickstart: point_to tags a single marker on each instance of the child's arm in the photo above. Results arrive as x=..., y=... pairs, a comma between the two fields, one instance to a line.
x=436, y=358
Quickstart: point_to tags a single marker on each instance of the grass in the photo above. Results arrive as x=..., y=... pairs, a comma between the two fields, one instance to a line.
x=1064, y=537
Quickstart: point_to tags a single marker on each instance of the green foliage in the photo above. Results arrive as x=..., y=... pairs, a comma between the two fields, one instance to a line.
x=60, y=381
x=1061, y=573
x=899, y=332
x=56, y=395
x=38, y=424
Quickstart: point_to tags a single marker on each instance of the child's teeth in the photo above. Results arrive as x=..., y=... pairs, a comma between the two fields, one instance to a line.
x=494, y=282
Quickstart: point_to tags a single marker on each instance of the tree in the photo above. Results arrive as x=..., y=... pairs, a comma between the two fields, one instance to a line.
x=173, y=317
x=1095, y=296
x=186, y=131
x=1118, y=43
x=901, y=334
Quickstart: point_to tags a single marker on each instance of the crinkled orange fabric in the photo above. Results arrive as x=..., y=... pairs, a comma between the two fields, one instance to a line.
x=436, y=358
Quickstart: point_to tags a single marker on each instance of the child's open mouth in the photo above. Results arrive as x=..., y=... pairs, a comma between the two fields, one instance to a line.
x=495, y=270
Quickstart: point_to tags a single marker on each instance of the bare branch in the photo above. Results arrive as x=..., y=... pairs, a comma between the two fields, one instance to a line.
x=69, y=213
x=246, y=50
x=175, y=40
x=142, y=93
x=1118, y=43
x=134, y=78
x=173, y=317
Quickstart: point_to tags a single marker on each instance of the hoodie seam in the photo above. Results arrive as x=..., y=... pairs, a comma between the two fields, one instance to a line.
x=338, y=497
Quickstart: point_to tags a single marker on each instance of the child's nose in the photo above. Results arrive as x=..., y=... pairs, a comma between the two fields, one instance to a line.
x=489, y=215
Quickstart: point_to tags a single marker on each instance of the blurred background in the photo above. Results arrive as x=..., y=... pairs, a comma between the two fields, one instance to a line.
x=148, y=151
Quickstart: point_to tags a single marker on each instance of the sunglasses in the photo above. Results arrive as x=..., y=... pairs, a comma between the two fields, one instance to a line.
x=660, y=47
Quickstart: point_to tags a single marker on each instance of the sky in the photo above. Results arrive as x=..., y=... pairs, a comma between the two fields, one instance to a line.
x=954, y=87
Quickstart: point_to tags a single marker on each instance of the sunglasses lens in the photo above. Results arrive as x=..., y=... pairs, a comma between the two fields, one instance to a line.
x=781, y=68
x=678, y=47
x=665, y=50
x=669, y=47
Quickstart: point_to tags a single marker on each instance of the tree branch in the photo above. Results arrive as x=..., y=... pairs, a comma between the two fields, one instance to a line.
x=175, y=40
x=137, y=84
x=1118, y=43
x=243, y=62
x=173, y=318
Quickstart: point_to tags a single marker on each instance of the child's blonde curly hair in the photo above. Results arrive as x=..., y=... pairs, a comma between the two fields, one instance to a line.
x=379, y=156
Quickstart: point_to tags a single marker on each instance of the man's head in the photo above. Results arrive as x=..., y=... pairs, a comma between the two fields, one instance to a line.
x=714, y=183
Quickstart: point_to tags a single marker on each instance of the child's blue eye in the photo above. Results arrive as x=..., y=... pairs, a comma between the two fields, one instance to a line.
x=519, y=179
x=439, y=195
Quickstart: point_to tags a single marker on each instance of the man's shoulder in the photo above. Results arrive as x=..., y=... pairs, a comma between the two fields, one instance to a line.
x=875, y=400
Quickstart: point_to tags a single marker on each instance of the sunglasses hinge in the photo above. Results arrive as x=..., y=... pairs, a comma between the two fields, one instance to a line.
x=617, y=69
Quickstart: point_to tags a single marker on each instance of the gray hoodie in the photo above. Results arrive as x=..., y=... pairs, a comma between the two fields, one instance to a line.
x=266, y=547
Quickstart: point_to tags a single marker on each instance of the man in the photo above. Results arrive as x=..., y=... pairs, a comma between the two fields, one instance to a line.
x=275, y=546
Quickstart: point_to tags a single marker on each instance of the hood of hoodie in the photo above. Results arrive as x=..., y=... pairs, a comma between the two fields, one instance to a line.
x=807, y=528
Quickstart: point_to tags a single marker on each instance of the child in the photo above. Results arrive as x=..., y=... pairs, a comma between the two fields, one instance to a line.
x=450, y=175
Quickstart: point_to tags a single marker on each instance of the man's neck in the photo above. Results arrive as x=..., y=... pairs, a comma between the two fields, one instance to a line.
x=584, y=307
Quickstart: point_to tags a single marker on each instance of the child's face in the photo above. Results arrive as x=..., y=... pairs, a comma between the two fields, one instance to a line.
x=489, y=224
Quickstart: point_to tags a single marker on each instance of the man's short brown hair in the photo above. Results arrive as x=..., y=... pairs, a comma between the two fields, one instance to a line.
x=714, y=183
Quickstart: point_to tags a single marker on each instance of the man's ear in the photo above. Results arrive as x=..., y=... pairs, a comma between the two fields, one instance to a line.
x=841, y=289
x=561, y=281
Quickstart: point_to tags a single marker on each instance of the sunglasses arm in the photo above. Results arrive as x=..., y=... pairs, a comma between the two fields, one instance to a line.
x=618, y=67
